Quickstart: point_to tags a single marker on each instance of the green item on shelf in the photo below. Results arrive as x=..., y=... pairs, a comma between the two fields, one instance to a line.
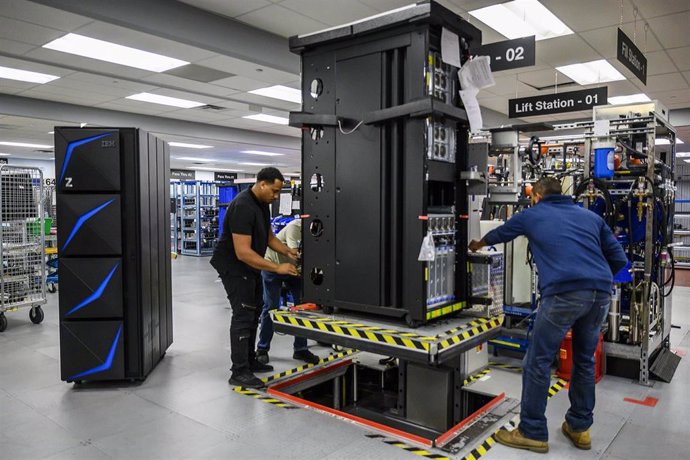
x=34, y=226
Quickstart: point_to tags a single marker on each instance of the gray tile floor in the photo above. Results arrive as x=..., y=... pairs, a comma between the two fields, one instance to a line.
x=186, y=409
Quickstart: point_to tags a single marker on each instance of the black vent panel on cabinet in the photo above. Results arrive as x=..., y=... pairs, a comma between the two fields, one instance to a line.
x=113, y=204
x=382, y=155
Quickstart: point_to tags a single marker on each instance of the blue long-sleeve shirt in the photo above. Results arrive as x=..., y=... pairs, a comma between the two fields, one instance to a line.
x=574, y=248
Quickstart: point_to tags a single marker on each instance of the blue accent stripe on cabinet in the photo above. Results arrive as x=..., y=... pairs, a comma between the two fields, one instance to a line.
x=83, y=219
x=70, y=149
x=97, y=293
x=108, y=362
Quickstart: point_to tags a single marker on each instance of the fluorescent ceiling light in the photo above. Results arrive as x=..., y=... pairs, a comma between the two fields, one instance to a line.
x=631, y=99
x=683, y=155
x=51, y=132
x=280, y=92
x=522, y=18
x=22, y=144
x=259, y=152
x=165, y=100
x=203, y=168
x=687, y=161
x=248, y=163
x=205, y=160
x=112, y=52
x=589, y=73
x=267, y=118
x=5, y=154
x=189, y=146
x=25, y=75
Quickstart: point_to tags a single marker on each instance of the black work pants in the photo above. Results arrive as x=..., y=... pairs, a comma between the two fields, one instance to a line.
x=245, y=294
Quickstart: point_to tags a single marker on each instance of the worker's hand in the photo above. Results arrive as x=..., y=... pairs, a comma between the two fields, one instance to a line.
x=287, y=269
x=476, y=245
x=293, y=254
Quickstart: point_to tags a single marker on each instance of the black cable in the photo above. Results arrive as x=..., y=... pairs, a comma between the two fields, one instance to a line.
x=672, y=278
x=582, y=186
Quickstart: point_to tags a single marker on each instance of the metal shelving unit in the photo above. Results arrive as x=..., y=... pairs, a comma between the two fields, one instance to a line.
x=195, y=230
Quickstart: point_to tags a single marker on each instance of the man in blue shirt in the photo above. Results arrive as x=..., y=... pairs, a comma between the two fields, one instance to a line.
x=576, y=255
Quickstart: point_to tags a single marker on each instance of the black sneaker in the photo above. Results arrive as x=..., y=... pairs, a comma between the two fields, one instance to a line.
x=245, y=378
x=306, y=356
x=262, y=356
x=256, y=366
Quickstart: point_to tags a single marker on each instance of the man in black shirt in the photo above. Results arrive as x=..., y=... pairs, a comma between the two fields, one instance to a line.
x=239, y=259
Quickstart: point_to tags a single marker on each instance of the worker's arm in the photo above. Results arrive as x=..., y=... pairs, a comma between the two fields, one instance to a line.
x=612, y=249
x=245, y=253
x=280, y=247
x=515, y=227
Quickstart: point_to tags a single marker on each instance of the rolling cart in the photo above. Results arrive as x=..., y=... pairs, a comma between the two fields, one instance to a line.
x=22, y=242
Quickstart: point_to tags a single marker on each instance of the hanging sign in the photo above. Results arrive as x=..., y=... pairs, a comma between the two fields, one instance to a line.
x=547, y=104
x=631, y=57
x=509, y=54
x=182, y=174
x=224, y=176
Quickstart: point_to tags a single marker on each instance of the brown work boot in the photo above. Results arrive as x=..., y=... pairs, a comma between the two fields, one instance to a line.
x=581, y=439
x=517, y=440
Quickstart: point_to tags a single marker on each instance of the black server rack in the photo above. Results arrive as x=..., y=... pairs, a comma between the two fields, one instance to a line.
x=113, y=205
x=384, y=142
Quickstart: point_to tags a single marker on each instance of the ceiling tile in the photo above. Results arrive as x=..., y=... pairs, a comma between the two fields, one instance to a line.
x=229, y=8
x=499, y=104
x=208, y=90
x=44, y=15
x=681, y=57
x=551, y=51
x=330, y=12
x=281, y=21
x=14, y=86
x=68, y=96
x=385, y=5
x=669, y=81
x=127, y=105
x=509, y=85
x=248, y=69
x=14, y=47
x=24, y=32
x=672, y=30
x=604, y=40
x=265, y=101
x=671, y=97
x=111, y=89
x=658, y=62
x=99, y=80
x=652, y=9
x=240, y=83
x=585, y=14
x=198, y=115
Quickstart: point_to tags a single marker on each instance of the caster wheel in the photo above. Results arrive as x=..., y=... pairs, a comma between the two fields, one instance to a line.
x=52, y=288
x=337, y=348
x=411, y=322
x=36, y=315
x=3, y=322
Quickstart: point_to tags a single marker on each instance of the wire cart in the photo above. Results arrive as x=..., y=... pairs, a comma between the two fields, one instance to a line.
x=22, y=258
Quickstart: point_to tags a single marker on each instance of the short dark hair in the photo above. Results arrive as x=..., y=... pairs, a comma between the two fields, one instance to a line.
x=547, y=186
x=270, y=174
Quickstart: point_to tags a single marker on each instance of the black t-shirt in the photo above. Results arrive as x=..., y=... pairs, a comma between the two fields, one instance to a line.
x=246, y=215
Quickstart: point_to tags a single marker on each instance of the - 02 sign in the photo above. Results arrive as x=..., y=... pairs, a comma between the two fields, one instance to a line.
x=557, y=103
x=509, y=54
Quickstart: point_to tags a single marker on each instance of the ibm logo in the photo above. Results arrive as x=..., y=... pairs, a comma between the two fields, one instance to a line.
x=108, y=143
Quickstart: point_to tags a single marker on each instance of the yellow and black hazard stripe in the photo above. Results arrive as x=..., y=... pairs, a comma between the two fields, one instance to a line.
x=297, y=370
x=507, y=367
x=264, y=398
x=489, y=442
x=401, y=339
x=443, y=311
x=406, y=447
x=475, y=377
x=505, y=343
x=472, y=329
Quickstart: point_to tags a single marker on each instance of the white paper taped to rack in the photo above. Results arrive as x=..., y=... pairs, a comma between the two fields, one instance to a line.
x=450, y=48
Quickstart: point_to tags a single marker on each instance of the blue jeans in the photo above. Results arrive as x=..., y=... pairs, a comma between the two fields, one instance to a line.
x=272, y=284
x=583, y=312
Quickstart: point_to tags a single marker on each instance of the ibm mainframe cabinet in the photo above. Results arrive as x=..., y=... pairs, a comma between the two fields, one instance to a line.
x=113, y=209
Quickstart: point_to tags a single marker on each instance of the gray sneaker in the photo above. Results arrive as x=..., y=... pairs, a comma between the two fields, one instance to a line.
x=262, y=356
x=245, y=378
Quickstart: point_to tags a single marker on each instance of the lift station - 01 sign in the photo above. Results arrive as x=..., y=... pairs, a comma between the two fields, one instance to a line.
x=548, y=104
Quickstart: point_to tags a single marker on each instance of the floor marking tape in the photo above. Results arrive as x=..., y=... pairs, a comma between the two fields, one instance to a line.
x=408, y=448
x=261, y=397
x=304, y=367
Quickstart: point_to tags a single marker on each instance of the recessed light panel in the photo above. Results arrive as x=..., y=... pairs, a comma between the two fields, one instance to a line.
x=590, y=73
x=522, y=18
x=281, y=92
x=165, y=100
x=268, y=118
x=25, y=75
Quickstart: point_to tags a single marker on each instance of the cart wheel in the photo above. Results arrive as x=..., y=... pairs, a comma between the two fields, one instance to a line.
x=337, y=348
x=3, y=322
x=52, y=288
x=36, y=315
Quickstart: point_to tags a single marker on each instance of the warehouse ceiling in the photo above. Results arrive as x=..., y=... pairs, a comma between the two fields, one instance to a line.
x=236, y=46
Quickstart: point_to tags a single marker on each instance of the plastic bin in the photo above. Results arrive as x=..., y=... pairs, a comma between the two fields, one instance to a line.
x=34, y=227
